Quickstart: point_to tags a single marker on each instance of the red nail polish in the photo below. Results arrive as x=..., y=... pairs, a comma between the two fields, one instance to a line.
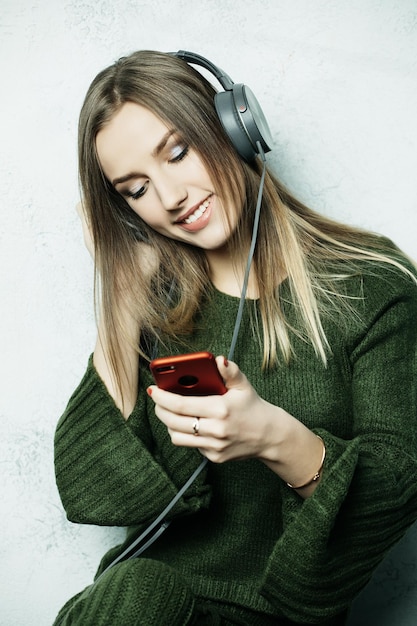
x=149, y=391
x=226, y=362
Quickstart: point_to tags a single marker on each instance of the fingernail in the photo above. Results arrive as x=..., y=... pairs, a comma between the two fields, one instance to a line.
x=226, y=362
x=149, y=391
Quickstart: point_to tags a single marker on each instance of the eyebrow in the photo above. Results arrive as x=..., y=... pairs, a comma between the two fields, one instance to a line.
x=161, y=145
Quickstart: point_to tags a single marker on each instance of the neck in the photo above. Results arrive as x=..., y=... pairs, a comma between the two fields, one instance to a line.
x=227, y=275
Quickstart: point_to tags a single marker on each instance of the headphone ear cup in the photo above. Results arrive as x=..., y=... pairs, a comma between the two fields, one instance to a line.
x=233, y=126
x=243, y=120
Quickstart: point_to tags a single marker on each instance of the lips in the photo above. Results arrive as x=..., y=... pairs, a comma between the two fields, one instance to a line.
x=197, y=213
x=197, y=217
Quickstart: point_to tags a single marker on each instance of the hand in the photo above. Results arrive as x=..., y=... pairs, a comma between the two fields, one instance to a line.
x=88, y=237
x=232, y=426
x=241, y=425
x=147, y=257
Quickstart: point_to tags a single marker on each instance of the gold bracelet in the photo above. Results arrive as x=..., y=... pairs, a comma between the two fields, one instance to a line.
x=317, y=474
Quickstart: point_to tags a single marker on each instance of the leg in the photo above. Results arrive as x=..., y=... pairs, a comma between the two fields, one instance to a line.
x=138, y=592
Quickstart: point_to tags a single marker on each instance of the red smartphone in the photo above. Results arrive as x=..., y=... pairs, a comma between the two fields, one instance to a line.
x=193, y=374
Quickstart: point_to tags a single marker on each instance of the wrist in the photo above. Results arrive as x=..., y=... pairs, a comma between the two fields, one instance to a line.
x=277, y=435
x=293, y=452
x=317, y=474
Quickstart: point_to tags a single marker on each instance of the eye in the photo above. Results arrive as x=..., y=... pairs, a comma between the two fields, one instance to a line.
x=178, y=152
x=135, y=194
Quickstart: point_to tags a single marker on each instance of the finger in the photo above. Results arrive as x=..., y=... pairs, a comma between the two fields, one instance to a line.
x=205, y=442
x=230, y=372
x=88, y=238
x=182, y=440
x=191, y=433
x=188, y=406
x=184, y=425
x=80, y=209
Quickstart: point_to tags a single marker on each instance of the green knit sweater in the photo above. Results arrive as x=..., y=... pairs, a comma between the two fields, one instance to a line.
x=239, y=534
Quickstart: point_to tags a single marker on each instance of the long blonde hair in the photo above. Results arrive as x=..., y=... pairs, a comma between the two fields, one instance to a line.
x=314, y=252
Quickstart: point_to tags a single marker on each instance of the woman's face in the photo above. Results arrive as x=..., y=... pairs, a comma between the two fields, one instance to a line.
x=162, y=179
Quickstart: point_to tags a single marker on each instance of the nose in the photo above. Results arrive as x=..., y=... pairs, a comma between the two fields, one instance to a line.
x=172, y=193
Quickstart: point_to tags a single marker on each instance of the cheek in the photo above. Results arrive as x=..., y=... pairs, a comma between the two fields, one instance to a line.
x=146, y=212
x=153, y=218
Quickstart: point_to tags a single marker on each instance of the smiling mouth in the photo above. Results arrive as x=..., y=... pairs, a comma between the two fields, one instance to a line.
x=199, y=212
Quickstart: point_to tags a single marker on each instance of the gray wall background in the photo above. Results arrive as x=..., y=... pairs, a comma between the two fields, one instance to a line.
x=337, y=81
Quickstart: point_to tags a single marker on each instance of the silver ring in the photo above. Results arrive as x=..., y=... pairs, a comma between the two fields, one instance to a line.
x=196, y=426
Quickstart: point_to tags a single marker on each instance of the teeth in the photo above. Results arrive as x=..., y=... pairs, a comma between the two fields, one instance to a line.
x=197, y=213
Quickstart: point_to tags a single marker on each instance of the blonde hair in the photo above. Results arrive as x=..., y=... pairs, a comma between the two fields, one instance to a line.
x=293, y=241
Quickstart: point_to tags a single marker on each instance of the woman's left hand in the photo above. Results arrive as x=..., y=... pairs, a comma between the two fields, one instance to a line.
x=230, y=426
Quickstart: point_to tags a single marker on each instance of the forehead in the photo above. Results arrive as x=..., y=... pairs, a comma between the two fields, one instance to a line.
x=132, y=133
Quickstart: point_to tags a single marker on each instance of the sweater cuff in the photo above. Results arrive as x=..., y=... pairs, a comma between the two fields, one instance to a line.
x=105, y=472
x=305, y=540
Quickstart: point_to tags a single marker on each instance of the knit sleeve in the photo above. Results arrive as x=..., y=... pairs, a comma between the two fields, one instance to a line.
x=108, y=470
x=367, y=497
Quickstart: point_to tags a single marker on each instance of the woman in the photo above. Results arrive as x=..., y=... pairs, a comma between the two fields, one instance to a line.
x=311, y=452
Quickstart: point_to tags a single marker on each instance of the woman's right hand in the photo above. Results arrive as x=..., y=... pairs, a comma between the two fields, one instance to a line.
x=88, y=237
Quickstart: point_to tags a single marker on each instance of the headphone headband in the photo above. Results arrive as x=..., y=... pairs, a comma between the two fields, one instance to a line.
x=238, y=110
x=191, y=57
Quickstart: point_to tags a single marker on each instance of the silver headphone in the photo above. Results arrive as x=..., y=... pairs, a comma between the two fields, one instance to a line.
x=238, y=110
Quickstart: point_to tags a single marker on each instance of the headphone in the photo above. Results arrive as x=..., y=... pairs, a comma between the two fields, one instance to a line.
x=238, y=110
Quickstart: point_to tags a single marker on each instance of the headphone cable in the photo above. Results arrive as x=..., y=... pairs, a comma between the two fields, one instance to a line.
x=160, y=520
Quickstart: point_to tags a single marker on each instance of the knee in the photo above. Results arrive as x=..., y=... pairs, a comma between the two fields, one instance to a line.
x=134, y=592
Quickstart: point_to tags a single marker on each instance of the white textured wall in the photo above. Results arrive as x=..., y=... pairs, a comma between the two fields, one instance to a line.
x=338, y=83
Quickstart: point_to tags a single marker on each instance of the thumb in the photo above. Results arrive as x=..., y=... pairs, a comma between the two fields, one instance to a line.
x=230, y=372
